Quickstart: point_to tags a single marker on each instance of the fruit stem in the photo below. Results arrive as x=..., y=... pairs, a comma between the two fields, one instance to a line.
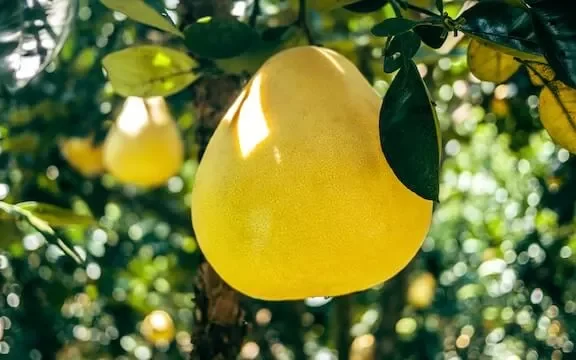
x=397, y=9
x=303, y=23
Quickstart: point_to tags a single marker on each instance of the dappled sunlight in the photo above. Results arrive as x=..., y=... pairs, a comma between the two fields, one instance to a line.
x=254, y=214
x=251, y=125
x=133, y=117
x=277, y=155
x=138, y=112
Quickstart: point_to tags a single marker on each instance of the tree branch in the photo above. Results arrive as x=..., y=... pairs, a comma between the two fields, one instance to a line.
x=303, y=21
x=343, y=312
x=219, y=325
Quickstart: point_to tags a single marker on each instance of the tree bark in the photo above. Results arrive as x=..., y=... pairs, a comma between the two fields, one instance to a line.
x=343, y=314
x=392, y=300
x=219, y=325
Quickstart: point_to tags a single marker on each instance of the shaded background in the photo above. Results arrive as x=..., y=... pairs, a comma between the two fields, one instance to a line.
x=494, y=279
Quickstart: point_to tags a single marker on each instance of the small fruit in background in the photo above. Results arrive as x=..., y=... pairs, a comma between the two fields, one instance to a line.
x=144, y=147
x=83, y=155
x=500, y=107
x=363, y=348
x=421, y=290
x=158, y=328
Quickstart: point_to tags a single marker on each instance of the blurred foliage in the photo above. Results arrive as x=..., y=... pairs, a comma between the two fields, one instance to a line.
x=499, y=263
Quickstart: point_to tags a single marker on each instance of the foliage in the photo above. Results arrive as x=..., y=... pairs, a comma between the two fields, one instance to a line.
x=84, y=260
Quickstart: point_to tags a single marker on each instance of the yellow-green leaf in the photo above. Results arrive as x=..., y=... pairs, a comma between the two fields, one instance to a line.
x=55, y=215
x=488, y=64
x=50, y=235
x=557, y=110
x=25, y=211
x=26, y=142
x=149, y=70
x=9, y=233
x=145, y=12
x=539, y=72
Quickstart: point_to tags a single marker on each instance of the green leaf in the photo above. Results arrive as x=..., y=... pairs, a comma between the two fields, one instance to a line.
x=149, y=70
x=10, y=233
x=272, y=40
x=555, y=26
x=506, y=27
x=400, y=49
x=440, y=6
x=433, y=36
x=274, y=33
x=56, y=216
x=393, y=26
x=149, y=12
x=50, y=235
x=409, y=133
x=20, y=213
x=366, y=6
x=219, y=38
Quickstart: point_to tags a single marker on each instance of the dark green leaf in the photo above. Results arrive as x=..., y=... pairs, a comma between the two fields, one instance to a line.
x=393, y=26
x=409, y=133
x=555, y=26
x=433, y=36
x=440, y=6
x=219, y=38
x=10, y=233
x=274, y=33
x=366, y=6
x=400, y=49
x=54, y=215
x=505, y=25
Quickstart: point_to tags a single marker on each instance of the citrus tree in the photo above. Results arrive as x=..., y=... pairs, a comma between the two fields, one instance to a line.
x=287, y=179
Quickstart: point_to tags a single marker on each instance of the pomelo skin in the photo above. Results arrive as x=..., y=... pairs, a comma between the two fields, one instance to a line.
x=144, y=147
x=294, y=197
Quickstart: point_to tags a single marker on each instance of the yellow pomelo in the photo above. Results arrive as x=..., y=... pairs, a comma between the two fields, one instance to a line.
x=158, y=327
x=144, y=147
x=293, y=197
x=363, y=348
x=83, y=155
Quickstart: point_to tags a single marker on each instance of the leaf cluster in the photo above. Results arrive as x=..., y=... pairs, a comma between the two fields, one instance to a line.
x=504, y=36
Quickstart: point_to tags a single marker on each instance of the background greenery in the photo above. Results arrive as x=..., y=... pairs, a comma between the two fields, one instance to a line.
x=501, y=250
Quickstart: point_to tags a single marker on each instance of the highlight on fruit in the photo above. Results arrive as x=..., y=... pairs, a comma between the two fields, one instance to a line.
x=158, y=328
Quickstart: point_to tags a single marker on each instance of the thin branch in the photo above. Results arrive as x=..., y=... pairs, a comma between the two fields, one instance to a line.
x=255, y=12
x=303, y=23
x=343, y=312
x=405, y=5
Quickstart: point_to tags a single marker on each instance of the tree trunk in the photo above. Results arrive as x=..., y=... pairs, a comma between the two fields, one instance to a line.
x=219, y=325
x=392, y=300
